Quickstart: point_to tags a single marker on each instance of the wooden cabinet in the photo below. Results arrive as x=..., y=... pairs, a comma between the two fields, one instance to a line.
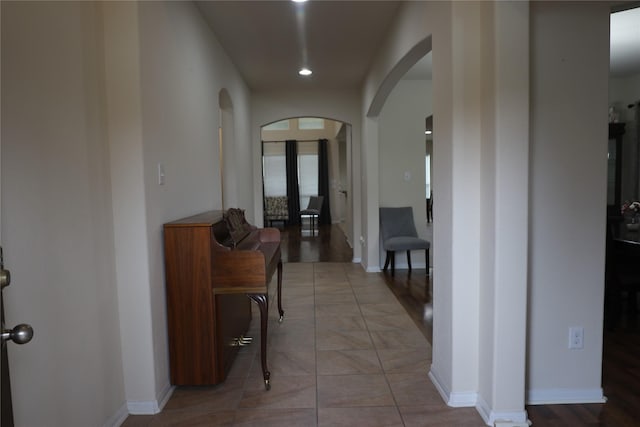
x=202, y=326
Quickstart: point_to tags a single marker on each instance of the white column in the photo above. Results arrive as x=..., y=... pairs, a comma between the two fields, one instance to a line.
x=124, y=123
x=569, y=101
x=503, y=300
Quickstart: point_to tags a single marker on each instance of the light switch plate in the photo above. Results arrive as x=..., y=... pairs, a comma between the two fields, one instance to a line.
x=160, y=174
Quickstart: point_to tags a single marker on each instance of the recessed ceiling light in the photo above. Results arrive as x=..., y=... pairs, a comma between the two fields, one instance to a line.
x=298, y=1
x=305, y=72
x=428, y=132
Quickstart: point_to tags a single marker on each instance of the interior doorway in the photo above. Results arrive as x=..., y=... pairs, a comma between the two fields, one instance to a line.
x=304, y=157
x=405, y=160
x=405, y=150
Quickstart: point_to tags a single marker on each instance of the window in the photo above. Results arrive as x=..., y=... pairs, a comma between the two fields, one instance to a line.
x=281, y=125
x=308, y=123
x=307, y=177
x=274, y=170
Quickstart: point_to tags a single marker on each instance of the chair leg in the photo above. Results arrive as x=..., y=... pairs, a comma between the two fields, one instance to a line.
x=386, y=262
x=409, y=260
x=427, y=260
x=393, y=263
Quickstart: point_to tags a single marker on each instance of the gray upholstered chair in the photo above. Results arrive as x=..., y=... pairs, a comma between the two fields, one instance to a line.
x=313, y=210
x=398, y=233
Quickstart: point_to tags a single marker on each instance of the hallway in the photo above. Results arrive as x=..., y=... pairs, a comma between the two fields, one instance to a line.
x=347, y=353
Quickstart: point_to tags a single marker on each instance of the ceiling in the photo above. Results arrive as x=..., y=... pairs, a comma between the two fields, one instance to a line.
x=269, y=41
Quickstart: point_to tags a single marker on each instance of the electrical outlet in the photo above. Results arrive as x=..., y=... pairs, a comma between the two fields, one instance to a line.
x=576, y=338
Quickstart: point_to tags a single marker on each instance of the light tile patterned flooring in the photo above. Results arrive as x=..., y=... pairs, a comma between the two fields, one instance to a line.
x=346, y=354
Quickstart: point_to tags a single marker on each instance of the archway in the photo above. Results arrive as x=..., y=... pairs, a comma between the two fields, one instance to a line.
x=306, y=132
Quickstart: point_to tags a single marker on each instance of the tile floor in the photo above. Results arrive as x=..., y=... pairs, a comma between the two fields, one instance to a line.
x=347, y=354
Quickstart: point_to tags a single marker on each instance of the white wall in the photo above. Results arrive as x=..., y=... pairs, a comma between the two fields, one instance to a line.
x=57, y=231
x=95, y=95
x=124, y=130
x=567, y=197
x=370, y=184
x=456, y=175
x=504, y=209
x=415, y=24
x=482, y=143
x=402, y=149
x=183, y=69
x=464, y=178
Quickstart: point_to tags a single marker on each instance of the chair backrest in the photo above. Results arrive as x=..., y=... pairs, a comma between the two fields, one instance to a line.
x=395, y=222
x=276, y=205
x=315, y=203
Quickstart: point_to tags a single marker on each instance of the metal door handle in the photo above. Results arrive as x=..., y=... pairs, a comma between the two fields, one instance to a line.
x=21, y=334
x=5, y=278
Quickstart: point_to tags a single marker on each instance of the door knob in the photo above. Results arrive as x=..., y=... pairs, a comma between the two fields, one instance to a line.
x=5, y=278
x=21, y=334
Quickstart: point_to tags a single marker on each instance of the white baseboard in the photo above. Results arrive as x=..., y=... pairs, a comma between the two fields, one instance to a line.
x=562, y=396
x=165, y=395
x=143, y=407
x=117, y=419
x=505, y=417
x=455, y=399
x=463, y=399
x=444, y=392
x=151, y=407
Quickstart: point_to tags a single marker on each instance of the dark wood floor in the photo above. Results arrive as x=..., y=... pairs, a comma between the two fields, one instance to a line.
x=326, y=244
x=621, y=353
x=620, y=382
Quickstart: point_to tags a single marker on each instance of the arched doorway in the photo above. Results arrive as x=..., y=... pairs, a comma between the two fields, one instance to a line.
x=306, y=134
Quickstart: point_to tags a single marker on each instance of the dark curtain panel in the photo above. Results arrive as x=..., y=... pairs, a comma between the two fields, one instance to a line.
x=293, y=193
x=637, y=107
x=323, y=181
x=262, y=170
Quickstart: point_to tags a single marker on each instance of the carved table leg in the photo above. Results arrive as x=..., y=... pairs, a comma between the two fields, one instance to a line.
x=280, y=291
x=263, y=304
